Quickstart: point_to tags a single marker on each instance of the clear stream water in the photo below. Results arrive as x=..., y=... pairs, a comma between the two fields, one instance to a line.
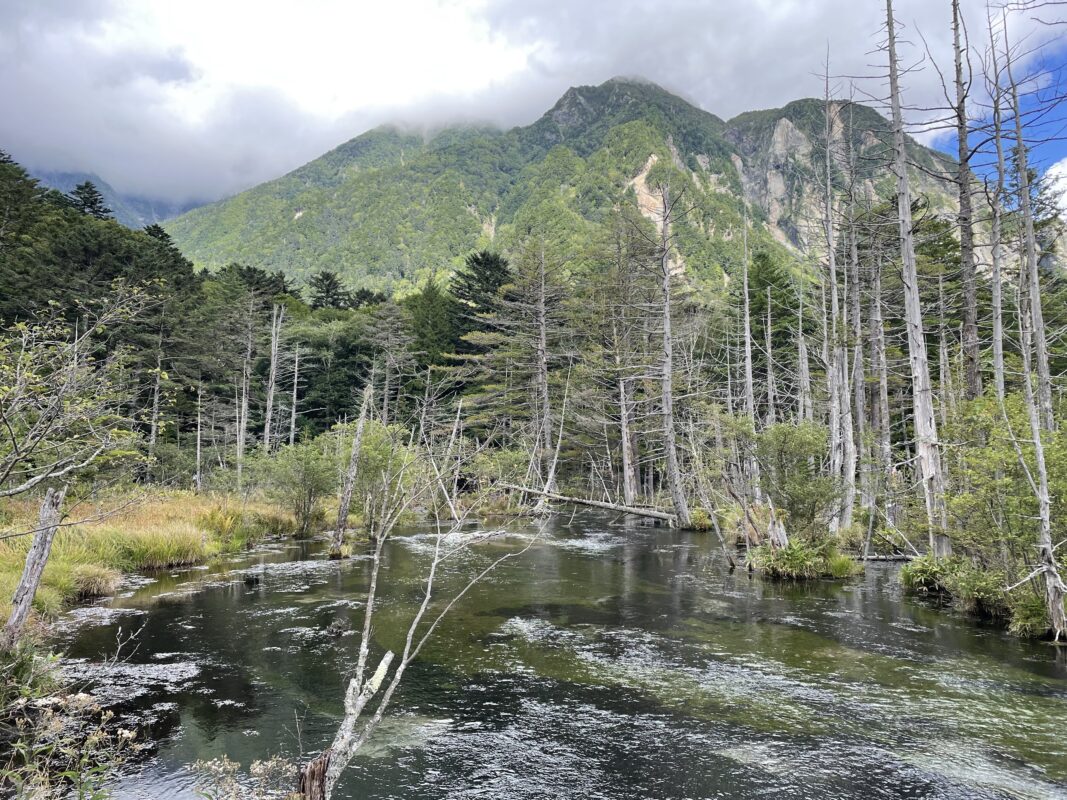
x=611, y=660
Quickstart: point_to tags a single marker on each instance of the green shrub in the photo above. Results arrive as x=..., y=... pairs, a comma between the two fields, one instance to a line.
x=972, y=588
x=700, y=520
x=839, y=565
x=975, y=590
x=793, y=561
x=1029, y=617
x=791, y=454
x=300, y=476
x=802, y=561
x=925, y=574
x=26, y=672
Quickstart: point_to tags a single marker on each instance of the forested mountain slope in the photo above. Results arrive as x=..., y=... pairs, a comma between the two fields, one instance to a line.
x=392, y=206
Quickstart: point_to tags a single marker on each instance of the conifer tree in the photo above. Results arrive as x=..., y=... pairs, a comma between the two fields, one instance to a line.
x=477, y=291
x=328, y=291
x=86, y=198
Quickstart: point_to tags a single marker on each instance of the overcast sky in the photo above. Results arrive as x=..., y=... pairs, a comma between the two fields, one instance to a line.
x=202, y=98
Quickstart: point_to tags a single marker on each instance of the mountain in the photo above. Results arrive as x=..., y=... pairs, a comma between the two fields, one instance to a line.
x=132, y=211
x=393, y=205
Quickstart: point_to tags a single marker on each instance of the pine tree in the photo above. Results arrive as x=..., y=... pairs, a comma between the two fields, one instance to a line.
x=433, y=323
x=86, y=198
x=476, y=289
x=328, y=291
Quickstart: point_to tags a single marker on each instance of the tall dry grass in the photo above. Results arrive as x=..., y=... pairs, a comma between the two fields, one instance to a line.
x=170, y=529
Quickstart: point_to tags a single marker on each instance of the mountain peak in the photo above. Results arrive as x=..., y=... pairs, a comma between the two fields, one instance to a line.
x=583, y=116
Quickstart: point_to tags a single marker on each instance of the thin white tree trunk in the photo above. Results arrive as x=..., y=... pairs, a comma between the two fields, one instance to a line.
x=881, y=401
x=198, y=477
x=751, y=465
x=545, y=433
x=1044, y=375
x=629, y=471
x=997, y=202
x=674, y=471
x=859, y=376
x=276, y=318
x=806, y=408
x=349, y=484
x=972, y=370
x=296, y=385
x=927, y=448
x=246, y=380
x=1054, y=585
x=772, y=401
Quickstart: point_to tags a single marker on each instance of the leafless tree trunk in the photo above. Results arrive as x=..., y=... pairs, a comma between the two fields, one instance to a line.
x=805, y=405
x=772, y=402
x=36, y=560
x=859, y=375
x=293, y=404
x=246, y=381
x=964, y=177
x=349, y=484
x=629, y=464
x=276, y=317
x=1055, y=589
x=881, y=402
x=674, y=472
x=541, y=373
x=651, y=513
x=842, y=445
x=996, y=93
x=550, y=480
x=855, y=298
x=198, y=476
x=1031, y=279
x=751, y=465
x=927, y=450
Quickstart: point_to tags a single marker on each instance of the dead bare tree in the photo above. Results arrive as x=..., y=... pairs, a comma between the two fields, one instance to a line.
x=61, y=410
x=349, y=483
x=668, y=216
x=927, y=448
x=277, y=316
x=318, y=778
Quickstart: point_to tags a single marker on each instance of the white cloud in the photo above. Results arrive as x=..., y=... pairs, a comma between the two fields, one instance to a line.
x=1056, y=177
x=201, y=98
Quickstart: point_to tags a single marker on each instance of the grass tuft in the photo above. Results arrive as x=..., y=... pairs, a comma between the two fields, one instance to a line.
x=801, y=561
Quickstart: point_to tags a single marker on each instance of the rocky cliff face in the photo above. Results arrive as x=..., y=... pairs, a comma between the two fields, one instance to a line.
x=781, y=157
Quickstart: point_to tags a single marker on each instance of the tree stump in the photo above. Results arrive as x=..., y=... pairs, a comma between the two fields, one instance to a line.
x=312, y=781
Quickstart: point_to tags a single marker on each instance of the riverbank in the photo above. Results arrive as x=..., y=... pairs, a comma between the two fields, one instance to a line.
x=124, y=534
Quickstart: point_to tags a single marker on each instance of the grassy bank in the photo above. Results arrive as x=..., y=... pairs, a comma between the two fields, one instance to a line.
x=165, y=530
x=980, y=592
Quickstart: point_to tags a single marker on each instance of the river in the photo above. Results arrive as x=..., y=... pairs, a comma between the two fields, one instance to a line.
x=610, y=660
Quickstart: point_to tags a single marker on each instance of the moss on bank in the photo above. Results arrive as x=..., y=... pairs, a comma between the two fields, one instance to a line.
x=171, y=529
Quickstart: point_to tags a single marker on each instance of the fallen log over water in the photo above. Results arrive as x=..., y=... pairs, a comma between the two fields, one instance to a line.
x=651, y=513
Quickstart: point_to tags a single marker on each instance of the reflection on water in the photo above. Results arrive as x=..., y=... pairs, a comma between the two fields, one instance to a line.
x=611, y=660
